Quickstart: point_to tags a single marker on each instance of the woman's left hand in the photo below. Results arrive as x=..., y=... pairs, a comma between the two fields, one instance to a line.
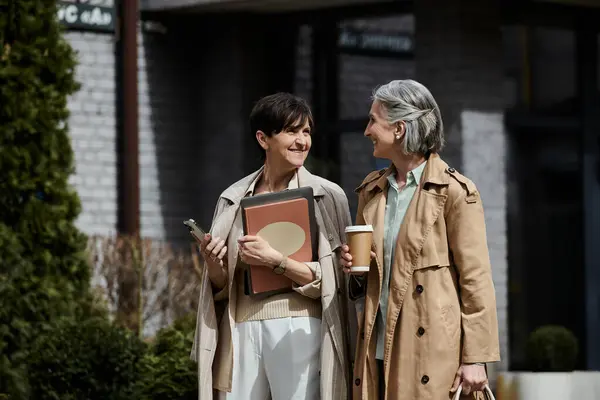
x=472, y=377
x=254, y=250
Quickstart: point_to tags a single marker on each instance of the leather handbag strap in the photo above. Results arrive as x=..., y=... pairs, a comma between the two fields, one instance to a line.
x=487, y=391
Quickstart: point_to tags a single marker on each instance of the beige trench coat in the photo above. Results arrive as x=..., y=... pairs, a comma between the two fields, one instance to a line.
x=215, y=320
x=442, y=304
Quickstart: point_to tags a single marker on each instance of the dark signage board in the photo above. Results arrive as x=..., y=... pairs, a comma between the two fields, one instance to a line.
x=355, y=41
x=87, y=16
x=589, y=3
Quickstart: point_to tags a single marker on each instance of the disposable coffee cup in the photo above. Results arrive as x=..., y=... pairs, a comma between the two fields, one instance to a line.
x=360, y=238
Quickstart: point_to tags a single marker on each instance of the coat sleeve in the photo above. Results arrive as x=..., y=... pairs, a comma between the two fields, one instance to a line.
x=468, y=245
x=311, y=289
x=357, y=285
x=341, y=212
x=222, y=294
x=205, y=290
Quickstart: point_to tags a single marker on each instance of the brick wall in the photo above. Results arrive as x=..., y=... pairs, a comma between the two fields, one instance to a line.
x=190, y=125
x=93, y=132
x=190, y=121
x=167, y=138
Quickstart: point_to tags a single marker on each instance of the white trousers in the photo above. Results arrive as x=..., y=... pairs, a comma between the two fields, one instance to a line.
x=276, y=359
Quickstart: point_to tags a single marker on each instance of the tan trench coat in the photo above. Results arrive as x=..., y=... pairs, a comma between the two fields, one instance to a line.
x=215, y=320
x=442, y=304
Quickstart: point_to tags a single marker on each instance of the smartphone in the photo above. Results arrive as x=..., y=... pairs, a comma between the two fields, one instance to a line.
x=194, y=228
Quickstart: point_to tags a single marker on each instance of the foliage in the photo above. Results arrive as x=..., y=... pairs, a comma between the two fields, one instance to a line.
x=56, y=341
x=90, y=359
x=43, y=270
x=169, y=374
x=552, y=348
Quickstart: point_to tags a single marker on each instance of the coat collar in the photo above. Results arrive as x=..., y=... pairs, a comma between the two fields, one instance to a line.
x=236, y=192
x=434, y=173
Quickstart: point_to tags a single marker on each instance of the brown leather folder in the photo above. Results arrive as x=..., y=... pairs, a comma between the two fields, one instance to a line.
x=287, y=221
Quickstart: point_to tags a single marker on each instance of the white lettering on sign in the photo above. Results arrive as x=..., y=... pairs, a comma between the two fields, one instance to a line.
x=393, y=43
x=346, y=39
x=95, y=17
x=68, y=14
x=82, y=16
x=400, y=43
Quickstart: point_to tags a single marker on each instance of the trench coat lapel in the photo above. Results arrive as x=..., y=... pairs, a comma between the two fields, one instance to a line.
x=423, y=211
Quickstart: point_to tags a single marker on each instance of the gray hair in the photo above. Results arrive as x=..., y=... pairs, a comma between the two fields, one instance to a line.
x=411, y=102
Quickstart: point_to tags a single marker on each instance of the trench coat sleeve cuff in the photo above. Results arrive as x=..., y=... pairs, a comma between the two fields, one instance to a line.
x=480, y=358
x=311, y=289
x=357, y=286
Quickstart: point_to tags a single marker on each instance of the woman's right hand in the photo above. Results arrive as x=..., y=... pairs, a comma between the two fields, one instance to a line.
x=346, y=260
x=214, y=251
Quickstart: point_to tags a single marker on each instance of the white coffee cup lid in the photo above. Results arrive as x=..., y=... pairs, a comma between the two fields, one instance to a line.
x=359, y=228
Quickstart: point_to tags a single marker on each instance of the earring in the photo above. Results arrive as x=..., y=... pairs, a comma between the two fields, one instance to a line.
x=397, y=136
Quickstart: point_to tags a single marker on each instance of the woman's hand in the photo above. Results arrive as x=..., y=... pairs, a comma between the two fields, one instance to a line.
x=472, y=377
x=346, y=260
x=254, y=250
x=214, y=251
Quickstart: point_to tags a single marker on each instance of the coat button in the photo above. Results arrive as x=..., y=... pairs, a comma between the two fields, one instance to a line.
x=451, y=170
x=419, y=289
x=357, y=381
x=421, y=331
x=330, y=236
x=362, y=335
x=339, y=291
x=424, y=379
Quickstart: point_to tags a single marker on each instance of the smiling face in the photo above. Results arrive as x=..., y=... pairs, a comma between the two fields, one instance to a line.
x=289, y=148
x=381, y=132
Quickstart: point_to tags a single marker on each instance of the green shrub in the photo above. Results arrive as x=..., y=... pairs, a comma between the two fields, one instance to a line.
x=552, y=348
x=91, y=359
x=11, y=370
x=44, y=274
x=169, y=374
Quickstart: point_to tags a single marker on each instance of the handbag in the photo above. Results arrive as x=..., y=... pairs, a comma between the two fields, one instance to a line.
x=487, y=391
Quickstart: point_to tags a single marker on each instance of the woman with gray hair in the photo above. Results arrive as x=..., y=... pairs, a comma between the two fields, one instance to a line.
x=429, y=323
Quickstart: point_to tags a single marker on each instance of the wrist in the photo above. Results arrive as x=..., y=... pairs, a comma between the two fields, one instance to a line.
x=216, y=272
x=276, y=259
x=280, y=268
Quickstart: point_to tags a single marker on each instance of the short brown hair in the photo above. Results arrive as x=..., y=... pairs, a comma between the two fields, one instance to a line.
x=279, y=112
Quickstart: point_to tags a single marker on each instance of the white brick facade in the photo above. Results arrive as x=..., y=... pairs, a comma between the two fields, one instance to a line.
x=484, y=156
x=93, y=132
